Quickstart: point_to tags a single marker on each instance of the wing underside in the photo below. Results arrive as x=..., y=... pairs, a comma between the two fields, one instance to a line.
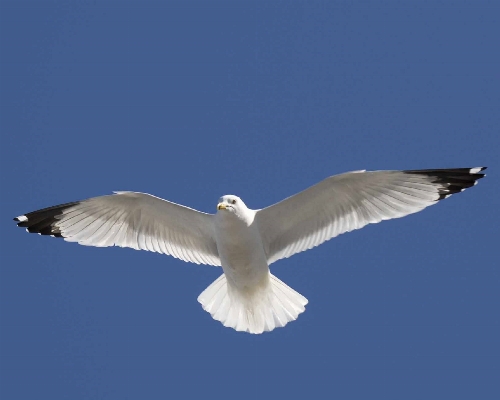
x=350, y=201
x=130, y=219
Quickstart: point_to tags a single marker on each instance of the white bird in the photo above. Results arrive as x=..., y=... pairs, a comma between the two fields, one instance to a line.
x=247, y=297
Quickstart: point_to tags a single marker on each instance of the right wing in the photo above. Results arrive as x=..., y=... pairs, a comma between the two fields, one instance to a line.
x=130, y=219
x=352, y=200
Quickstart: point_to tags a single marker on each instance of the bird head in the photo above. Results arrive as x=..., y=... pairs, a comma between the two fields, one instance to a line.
x=231, y=203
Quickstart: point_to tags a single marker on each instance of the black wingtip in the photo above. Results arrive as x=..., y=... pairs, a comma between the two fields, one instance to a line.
x=452, y=180
x=44, y=221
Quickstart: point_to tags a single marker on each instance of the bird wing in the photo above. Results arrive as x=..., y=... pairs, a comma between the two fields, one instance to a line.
x=130, y=219
x=349, y=201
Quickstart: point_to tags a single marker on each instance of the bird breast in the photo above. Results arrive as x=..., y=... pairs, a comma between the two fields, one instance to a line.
x=241, y=252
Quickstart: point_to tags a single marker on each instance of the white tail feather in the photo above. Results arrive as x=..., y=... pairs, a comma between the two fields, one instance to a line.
x=271, y=306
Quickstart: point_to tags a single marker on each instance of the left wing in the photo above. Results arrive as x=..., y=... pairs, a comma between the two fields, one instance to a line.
x=349, y=201
x=130, y=219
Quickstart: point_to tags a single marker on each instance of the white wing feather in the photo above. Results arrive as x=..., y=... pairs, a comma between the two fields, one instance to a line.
x=349, y=201
x=131, y=219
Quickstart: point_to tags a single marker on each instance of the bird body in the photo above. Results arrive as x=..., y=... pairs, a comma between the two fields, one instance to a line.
x=245, y=242
x=247, y=297
x=239, y=244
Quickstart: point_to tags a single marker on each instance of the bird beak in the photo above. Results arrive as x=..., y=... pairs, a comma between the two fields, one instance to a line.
x=221, y=206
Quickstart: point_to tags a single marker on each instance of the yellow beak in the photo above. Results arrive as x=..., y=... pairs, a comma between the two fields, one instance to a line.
x=221, y=206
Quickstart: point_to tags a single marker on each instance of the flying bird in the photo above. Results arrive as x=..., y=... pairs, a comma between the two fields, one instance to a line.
x=245, y=242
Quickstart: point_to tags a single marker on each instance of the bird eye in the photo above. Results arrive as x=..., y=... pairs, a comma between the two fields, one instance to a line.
x=233, y=201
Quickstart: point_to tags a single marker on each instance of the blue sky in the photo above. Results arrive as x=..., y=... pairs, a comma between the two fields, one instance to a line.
x=192, y=100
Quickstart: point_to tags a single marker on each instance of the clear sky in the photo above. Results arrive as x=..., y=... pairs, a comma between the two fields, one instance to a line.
x=190, y=100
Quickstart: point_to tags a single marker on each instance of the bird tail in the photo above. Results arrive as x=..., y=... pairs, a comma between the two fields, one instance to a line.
x=270, y=306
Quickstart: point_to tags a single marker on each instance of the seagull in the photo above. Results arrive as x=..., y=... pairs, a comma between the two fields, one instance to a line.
x=245, y=242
